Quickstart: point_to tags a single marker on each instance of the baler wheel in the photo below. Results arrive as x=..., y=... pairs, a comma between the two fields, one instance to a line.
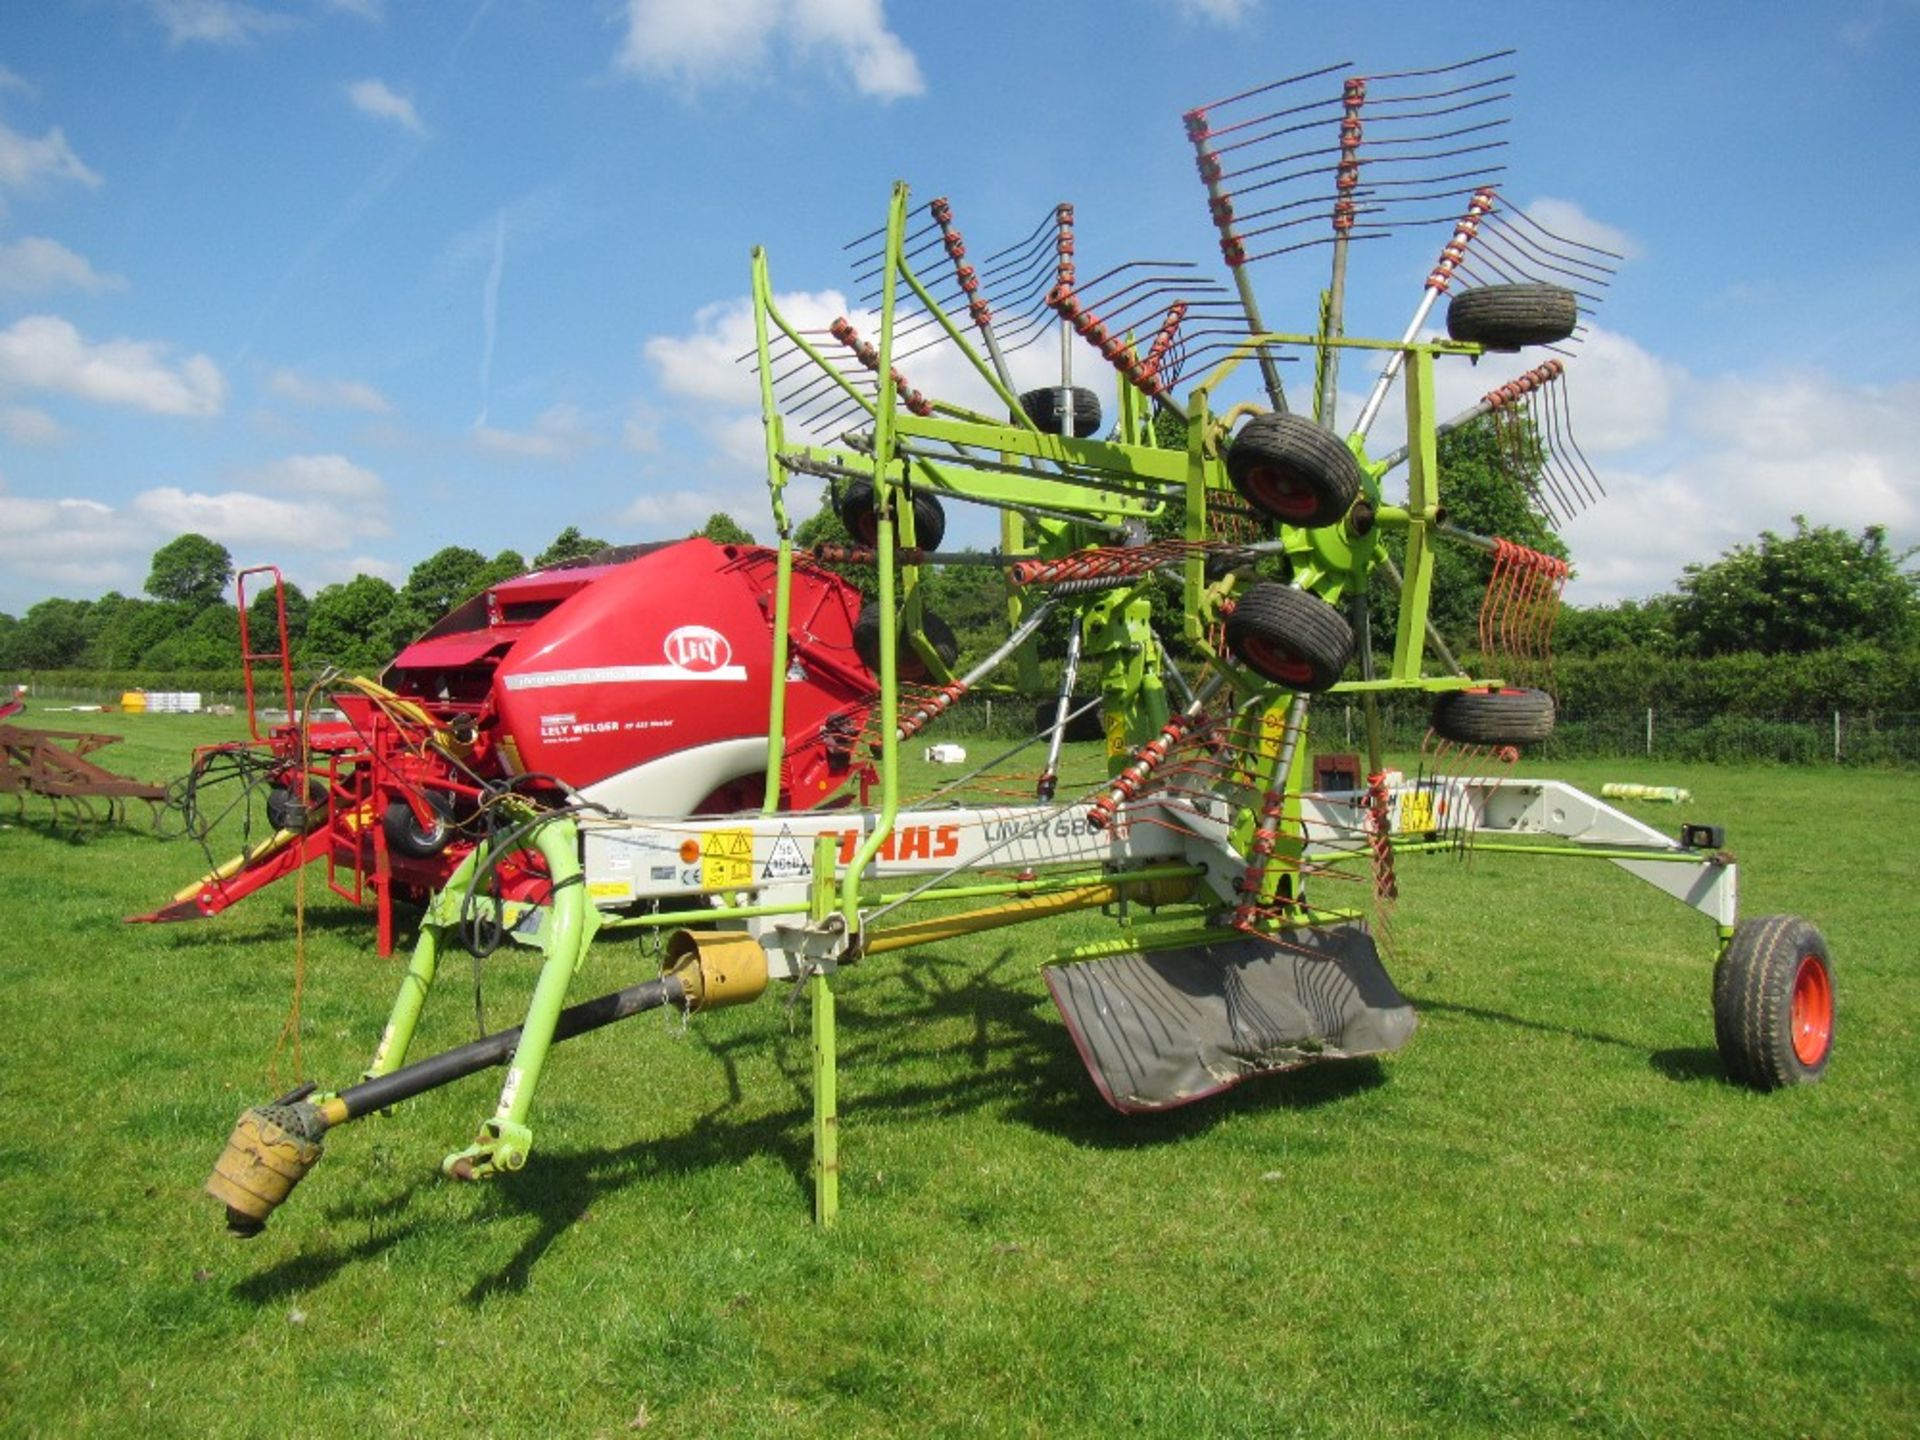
x=1494, y=717
x=406, y=835
x=1293, y=470
x=857, y=513
x=866, y=643
x=1290, y=636
x=1773, y=1003
x=1047, y=408
x=1509, y=317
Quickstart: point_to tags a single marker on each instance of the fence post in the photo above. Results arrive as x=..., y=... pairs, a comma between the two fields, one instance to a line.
x=1347, y=712
x=1649, y=730
x=1836, y=737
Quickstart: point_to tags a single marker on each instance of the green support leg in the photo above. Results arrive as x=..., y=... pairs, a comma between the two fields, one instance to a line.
x=826, y=1102
x=505, y=1140
x=404, y=1018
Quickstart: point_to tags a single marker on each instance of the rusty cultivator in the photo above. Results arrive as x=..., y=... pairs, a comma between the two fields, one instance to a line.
x=1198, y=542
x=55, y=765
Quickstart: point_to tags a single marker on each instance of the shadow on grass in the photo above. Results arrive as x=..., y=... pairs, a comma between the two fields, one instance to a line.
x=900, y=1065
x=1546, y=1027
x=1690, y=1063
x=310, y=1270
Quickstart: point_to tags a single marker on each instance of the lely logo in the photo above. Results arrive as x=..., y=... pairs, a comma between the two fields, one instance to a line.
x=699, y=649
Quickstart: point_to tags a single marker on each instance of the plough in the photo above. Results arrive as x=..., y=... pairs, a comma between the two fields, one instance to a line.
x=1250, y=910
x=55, y=766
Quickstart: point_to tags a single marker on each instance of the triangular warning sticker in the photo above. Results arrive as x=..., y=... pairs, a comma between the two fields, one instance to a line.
x=787, y=861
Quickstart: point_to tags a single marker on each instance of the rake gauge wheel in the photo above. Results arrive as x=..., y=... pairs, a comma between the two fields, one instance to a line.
x=1047, y=408
x=1294, y=470
x=1510, y=317
x=1494, y=717
x=911, y=668
x=858, y=513
x=1773, y=1003
x=1291, y=637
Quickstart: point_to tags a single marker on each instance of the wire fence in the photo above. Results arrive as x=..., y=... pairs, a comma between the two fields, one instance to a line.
x=1838, y=737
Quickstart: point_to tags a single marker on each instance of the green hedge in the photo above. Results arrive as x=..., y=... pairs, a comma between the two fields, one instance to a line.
x=1853, y=678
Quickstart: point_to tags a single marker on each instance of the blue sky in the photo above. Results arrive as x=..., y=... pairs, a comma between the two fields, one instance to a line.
x=340, y=282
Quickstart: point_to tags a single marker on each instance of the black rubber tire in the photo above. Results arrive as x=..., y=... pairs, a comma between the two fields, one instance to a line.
x=1773, y=1003
x=284, y=812
x=404, y=835
x=857, y=512
x=1047, y=408
x=1292, y=637
x=1089, y=726
x=1290, y=468
x=1508, y=317
x=1494, y=717
x=866, y=643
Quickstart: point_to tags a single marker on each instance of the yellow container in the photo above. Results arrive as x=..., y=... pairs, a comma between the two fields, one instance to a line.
x=134, y=701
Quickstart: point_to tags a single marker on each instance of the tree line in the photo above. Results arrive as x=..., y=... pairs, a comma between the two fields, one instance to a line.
x=1779, y=625
x=186, y=623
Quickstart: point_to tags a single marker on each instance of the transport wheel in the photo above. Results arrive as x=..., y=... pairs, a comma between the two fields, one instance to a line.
x=1494, y=717
x=1773, y=1003
x=285, y=812
x=866, y=643
x=1047, y=408
x=1087, y=726
x=1507, y=317
x=1293, y=470
x=1293, y=638
x=856, y=511
x=406, y=836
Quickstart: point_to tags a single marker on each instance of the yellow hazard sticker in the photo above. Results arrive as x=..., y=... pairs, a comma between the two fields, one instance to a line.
x=726, y=859
x=1416, y=810
x=1273, y=730
x=610, y=889
x=1117, y=735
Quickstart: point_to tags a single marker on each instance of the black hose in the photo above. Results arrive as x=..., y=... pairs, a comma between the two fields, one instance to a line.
x=497, y=1048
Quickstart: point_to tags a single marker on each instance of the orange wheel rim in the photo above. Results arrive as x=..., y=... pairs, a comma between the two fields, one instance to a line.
x=1812, y=1010
x=1276, y=663
x=1281, y=493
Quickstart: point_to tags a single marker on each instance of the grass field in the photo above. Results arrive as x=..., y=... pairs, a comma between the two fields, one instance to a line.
x=1548, y=1215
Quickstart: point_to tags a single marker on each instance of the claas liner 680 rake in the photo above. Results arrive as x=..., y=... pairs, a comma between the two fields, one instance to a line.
x=1251, y=910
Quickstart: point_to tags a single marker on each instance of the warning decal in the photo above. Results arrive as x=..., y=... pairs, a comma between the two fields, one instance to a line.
x=788, y=861
x=726, y=859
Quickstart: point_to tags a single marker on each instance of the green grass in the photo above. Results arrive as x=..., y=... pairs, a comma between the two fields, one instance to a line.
x=1548, y=1215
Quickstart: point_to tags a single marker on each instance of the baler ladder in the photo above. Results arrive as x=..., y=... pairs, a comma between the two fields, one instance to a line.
x=248, y=655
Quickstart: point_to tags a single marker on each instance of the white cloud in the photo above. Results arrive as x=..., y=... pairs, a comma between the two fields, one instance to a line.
x=25, y=162
x=699, y=45
x=69, y=543
x=18, y=84
x=376, y=98
x=334, y=476
x=45, y=352
x=215, y=22
x=24, y=425
x=1221, y=12
x=328, y=394
x=266, y=523
x=34, y=265
x=370, y=10
x=1745, y=454
x=326, y=508
x=560, y=433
